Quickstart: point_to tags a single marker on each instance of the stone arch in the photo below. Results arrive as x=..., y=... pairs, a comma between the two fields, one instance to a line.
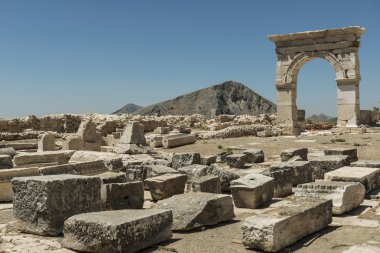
x=340, y=48
x=302, y=58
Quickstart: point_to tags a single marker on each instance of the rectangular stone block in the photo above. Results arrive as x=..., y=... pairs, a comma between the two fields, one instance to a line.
x=43, y=203
x=323, y=164
x=252, y=190
x=176, y=141
x=289, y=153
x=165, y=186
x=369, y=177
x=43, y=157
x=351, y=152
x=366, y=163
x=199, y=209
x=117, y=231
x=236, y=160
x=287, y=175
x=81, y=168
x=254, y=155
x=6, y=176
x=280, y=227
x=112, y=177
x=210, y=184
x=5, y=162
x=116, y=196
x=345, y=196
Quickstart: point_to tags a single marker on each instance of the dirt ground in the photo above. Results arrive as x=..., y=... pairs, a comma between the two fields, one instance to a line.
x=359, y=227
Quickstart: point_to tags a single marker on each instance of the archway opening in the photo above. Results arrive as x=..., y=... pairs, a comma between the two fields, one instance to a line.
x=317, y=92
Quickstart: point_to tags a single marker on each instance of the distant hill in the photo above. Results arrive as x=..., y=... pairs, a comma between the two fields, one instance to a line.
x=322, y=118
x=128, y=109
x=226, y=98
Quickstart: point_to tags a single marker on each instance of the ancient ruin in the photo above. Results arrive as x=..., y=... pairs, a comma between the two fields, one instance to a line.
x=340, y=47
x=208, y=182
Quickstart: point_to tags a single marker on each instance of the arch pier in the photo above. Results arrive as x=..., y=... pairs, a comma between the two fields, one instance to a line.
x=340, y=48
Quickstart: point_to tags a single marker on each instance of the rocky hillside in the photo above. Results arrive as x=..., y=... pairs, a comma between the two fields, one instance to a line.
x=227, y=98
x=128, y=108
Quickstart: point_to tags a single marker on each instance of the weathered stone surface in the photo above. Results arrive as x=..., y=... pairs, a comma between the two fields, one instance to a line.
x=117, y=231
x=184, y=159
x=43, y=203
x=254, y=155
x=351, y=152
x=156, y=142
x=87, y=131
x=251, y=191
x=366, y=163
x=111, y=161
x=6, y=162
x=288, y=174
x=43, y=157
x=6, y=176
x=289, y=153
x=210, y=184
x=275, y=229
x=133, y=134
x=82, y=168
x=321, y=165
x=165, y=186
x=345, y=196
x=116, y=196
x=8, y=151
x=236, y=160
x=224, y=175
x=194, y=210
x=144, y=171
x=112, y=177
x=162, y=130
x=158, y=170
x=72, y=143
x=208, y=159
x=194, y=171
x=46, y=142
x=133, y=140
x=171, y=141
x=369, y=177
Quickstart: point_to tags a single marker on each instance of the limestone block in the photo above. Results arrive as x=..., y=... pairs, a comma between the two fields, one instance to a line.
x=210, y=184
x=288, y=174
x=369, y=177
x=112, y=177
x=72, y=143
x=277, y=228
x=254, y=155
x=251, y=191
x=156, y=142
x=6, y=176
x=43, y=157
x=158, y=170
x=170, y=141
x=224, y=175
x=117, y=231
x=162, y=130
x=352, y=153
x=46, y=142
x=82, y=168
x=116, y=196
x=8, y=151
x=111, y=161
x=58, y=196
x=6, y=162
x=208, y=159
x=194, y=210
x=184, y=159
x=236, y=160
x=289, y=153
x=87, y=131
x=194, y=171
x=323, y=164
x=366, y=163
x=345, y=196
x=165, y=186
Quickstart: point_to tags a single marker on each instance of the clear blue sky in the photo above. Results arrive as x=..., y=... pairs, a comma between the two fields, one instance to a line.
x=95, y=56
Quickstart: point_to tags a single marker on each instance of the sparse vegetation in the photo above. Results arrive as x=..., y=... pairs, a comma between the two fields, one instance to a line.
x=337, y=140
